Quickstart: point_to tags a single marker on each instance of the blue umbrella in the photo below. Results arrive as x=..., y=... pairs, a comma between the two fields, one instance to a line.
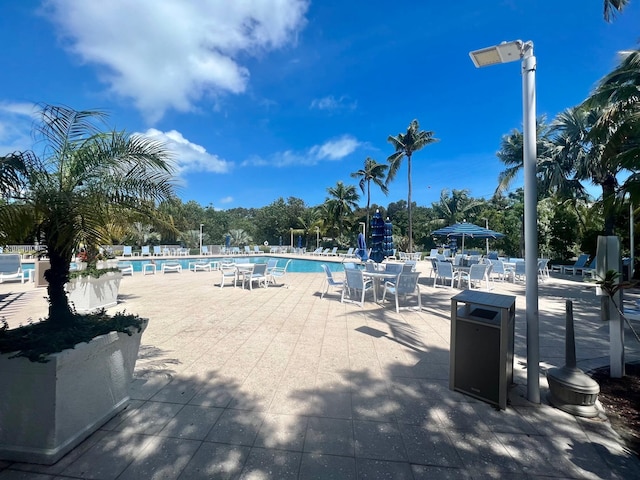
x=387, y=243
x=465, y=229
x=377, y=237
x=299, y=241
x=227, y=241
x=362, y=247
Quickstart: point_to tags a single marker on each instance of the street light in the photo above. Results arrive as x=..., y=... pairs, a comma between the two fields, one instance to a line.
x=317, y=237
x=201, y=225
x=503, y=53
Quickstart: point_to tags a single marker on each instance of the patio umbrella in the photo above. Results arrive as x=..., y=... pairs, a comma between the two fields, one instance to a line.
x=387, y=240
x=280, y=241
x=299, y=241
x=377, y=237
x=227, y=241
x=464, y=230
x=362, y=247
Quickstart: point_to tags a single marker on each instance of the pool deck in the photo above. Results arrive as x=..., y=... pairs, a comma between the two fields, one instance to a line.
x=277, y=383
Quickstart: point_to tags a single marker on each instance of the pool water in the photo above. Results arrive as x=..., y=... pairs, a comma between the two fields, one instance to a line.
x=297, y=265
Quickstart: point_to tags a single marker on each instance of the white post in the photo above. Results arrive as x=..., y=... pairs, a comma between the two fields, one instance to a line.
x=530, y=221
x=486, y=222
x=317, y=237
x=201, y=225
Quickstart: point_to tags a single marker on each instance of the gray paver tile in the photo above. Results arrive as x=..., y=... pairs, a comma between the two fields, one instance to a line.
x=429, y=445
x=192, y=422
x=178, y=390
x=149, y=418
x=382, y=470
x=327, y=467
x=19, y=475
x=483, y=453
x=332, y=436
x=236, y=427
x=267, y=464
x=161, y=458
x=428, y=472
x=285, y=432
x=378, y=440
x=216, y=460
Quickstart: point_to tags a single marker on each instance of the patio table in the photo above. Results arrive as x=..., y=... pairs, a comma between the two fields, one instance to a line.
x=377, y=278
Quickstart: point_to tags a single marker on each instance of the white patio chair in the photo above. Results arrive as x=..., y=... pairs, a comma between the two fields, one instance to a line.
x=444, y=270
x=127, y=251
x=520, y=272
x=11, y=268
x=476, y=275
x=543, y=269
x=126, y=268
x=228, y=270
x=406, y=284
x=354, y=284
x=278, y=272
x=157, y=251
x=329, y=281
x=145, y=251
x=499, y=271
x=257, y=274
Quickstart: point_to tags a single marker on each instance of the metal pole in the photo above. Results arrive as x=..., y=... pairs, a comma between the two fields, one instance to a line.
x=530, y=221
x=486, y=222
x=201, y=225
x=317, y=237
x=631, y=242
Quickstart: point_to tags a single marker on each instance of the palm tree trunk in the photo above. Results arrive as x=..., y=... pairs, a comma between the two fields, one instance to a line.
x=608, y=198
x=368, y=205
x=57, y=276
x=409, y=205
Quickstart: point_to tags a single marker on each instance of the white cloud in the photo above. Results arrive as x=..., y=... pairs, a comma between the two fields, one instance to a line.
x=332, y=150
x=331, y=103
x=16, y=122
x=226, y=200
x=170, y=54
x=189, y=157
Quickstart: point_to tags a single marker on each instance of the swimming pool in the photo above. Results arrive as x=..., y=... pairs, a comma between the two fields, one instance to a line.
x=297, y=265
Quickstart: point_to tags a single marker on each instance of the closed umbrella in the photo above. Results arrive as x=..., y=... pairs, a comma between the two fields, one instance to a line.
x=362, y=247
x=227, y=241
x=387, y=241
x=299, y=241
x=464, y=230
x=377, y=237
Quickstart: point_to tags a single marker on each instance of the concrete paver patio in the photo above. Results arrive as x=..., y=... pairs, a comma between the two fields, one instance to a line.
x=276, y=383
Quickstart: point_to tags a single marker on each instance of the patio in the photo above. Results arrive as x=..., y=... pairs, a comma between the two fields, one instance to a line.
x=277, y=383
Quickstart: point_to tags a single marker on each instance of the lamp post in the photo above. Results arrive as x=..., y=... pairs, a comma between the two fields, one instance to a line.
x=486, y=225
x=504, y=53
x=201, y=225
x=317, y=237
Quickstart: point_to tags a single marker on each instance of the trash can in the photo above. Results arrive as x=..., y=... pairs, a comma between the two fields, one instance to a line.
x=481, y=352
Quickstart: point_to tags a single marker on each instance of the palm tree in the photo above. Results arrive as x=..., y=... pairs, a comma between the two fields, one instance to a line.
x=239, y=237
x=454, y=206
x=342, y=200
x=613, y=6
x=372, y=171
x=82, y=179
x=405, y=145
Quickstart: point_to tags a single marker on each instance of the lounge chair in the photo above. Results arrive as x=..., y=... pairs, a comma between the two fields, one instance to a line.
x=333, y=252
x=543, y=269
x=256, y=250
x=405, y=284
x=126, y=251
x=349, y=253
x=145, y=251
x=519, y=272
x=200, y=266
x=271, y=264
x=500, y=271
x=317, y=251
x=278, y=272
x=157, y=251
x=325, y=252
x=590, y=269
x=578, y=266
x=205, y=250
x=11, y=268
x=171, y=267
x=329, y=281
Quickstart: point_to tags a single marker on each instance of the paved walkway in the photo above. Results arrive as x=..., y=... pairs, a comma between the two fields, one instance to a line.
x=276, y=383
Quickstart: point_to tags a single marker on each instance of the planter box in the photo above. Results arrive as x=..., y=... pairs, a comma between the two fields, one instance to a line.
x=88, y=294
x=47, y=409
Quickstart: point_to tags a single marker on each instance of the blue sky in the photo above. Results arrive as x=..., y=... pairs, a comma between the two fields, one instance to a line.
x=263, y=99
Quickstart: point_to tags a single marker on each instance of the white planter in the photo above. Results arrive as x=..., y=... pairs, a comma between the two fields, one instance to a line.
x=88, y=293
x=46, y=409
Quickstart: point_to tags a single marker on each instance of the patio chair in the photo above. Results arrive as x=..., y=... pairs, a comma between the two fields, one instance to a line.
x=349, y=253
x=11, y=267
x=590, y=269
x=256, y=250
x=205, y=250
x=476, y=274
x=433, y=253
x=519, y=272
x=500, y=271
x=317, y=251
x=543, y=269
x=406, y=284
x=444, y=270
x=171, y=267
x=354, y=284
x=228, y=270
x=127, y=251
x=157, y=251
x=332, y=253
x=145, y=251
x=271, y=264
x=578, y=266
x=247, y=250
x=329, y=281
x=395, y=268
x=126, y=268
x=325, y=252
x=257, y=274
x=279, y=272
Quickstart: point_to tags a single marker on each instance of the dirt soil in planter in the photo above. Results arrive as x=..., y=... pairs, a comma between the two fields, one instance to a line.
x=620, y=398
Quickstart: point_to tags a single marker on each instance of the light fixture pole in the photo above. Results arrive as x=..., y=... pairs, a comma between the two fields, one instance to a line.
x=201, y=225
x=504, y=53
x=317, y=237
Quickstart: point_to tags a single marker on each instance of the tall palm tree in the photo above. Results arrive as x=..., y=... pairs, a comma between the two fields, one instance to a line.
x=81, y=180
x=454, y=206
x=342, y=200
x=405, y=145
x=372, y=172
